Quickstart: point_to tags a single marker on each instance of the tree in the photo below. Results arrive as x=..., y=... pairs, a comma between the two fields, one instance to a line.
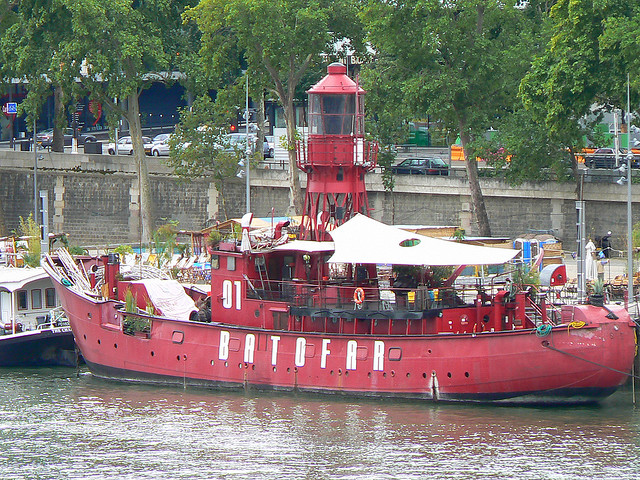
x=280, y=39
x=459, y=61
x=31, y=48
x=119, y=48
x=199, y=146
x=579, y=75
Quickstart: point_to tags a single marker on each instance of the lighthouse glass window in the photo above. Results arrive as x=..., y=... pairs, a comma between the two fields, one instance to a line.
x=331, y=114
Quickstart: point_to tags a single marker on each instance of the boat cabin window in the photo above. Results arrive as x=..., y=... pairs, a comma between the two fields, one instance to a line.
x=50, y=297
x=215, y=262
x=231, y=264
x=23, y=302
x=36, y=299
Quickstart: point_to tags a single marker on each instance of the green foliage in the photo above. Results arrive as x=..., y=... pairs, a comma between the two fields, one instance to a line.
x=130, y=302
x=524, y=276
x=278, y=43
x=214, y=238
x=123, y=250
x=164, y=241
x=30, y=229
x=597, y=287
x=134, y=323
x=199, y=146
x=77, y=250
x=460, y=62
x=459, y=234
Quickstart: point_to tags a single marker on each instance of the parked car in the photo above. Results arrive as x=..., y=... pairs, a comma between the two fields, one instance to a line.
x=422, y=166
x=237, y=141
x=45, y=138
x=125, y=146
x=606, y=158
x=160, y=145
x=269, y=146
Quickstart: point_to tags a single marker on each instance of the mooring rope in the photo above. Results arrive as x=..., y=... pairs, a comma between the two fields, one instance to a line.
x=587, y=360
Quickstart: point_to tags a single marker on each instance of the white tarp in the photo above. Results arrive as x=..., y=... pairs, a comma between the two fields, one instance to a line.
x=306, y=246
x=169, y=297
x=364, y=240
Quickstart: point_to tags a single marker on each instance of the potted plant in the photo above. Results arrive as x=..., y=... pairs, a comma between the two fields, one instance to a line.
x=597, y=293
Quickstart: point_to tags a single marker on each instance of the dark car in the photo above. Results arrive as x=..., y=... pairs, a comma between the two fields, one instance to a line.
x=606, y=158
x=45, y=138
x=422, y=166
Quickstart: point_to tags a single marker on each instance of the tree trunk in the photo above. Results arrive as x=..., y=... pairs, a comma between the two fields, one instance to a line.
x=296, y=200
x=58, y=109
x=146, y=204
x=477, y=199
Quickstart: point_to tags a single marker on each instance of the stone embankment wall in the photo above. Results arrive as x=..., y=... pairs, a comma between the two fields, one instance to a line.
x=94, y=198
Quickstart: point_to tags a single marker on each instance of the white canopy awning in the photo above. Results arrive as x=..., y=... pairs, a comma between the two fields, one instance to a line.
x=12, y=279
x=364, y=240
x=306, y=246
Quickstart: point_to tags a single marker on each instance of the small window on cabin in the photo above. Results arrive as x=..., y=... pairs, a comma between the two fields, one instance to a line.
x=23, y=302
x=411, y=242
x=231, y=264
x=215, y=262
x=50, y=297
x=36, y=299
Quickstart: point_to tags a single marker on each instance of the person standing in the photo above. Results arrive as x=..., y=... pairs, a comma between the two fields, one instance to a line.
x=590, y=260
x=606, y=245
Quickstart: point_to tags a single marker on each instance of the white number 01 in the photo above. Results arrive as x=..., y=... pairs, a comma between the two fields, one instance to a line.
x=227, y=294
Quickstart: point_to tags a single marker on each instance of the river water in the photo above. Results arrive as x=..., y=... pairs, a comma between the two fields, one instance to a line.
x=57, y=425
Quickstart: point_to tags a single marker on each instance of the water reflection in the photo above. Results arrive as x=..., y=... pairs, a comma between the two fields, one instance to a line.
x=55, y=425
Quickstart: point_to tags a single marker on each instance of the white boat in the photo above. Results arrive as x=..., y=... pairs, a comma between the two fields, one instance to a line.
x=33, y=329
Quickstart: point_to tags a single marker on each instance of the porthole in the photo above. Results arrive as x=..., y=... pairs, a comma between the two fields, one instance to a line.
x=99, y=342
x=449, y=374
x=153, y=354
x=424, y=375
x=115, y=345
x=466, y=374
x=178, y=357
x=212, y=363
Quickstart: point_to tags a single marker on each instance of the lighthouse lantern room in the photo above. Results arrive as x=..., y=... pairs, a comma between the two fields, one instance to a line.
x=336, y=156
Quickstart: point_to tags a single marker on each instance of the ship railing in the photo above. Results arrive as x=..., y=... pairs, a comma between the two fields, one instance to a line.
x=538, y=310
x=338, y=151
x=342, y=295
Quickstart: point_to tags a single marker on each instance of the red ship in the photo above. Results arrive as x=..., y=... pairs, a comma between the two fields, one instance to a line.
x=326, y=313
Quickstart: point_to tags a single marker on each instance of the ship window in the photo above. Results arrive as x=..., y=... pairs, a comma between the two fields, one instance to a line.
x=23, y=302
x=395, y=353
x=50, y=297
x=231, y=264
x=36, y=299
x=215, y=262
x=411, y=242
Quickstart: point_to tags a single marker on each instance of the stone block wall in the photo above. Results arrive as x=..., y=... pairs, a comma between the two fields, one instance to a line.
x=96, y=205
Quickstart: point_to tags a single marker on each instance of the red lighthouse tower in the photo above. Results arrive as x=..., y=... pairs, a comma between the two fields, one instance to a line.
x=337, y=155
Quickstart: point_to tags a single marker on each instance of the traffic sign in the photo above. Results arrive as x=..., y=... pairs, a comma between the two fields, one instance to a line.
x=10, y=108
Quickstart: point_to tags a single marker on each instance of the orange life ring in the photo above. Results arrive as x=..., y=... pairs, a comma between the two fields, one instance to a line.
x=358, y=295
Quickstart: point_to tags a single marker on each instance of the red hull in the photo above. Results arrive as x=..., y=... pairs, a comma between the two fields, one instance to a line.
x=568, y=365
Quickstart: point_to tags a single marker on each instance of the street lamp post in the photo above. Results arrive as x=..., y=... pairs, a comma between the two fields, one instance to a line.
x=629, y=216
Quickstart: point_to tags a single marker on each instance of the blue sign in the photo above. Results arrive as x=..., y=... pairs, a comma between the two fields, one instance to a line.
x=11, y=108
